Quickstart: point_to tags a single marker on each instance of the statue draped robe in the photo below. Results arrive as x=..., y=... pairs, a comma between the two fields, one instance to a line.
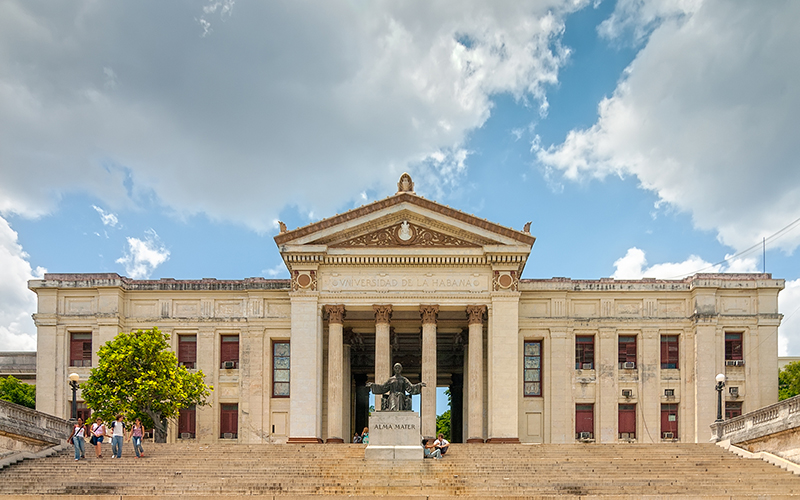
x=396, y=400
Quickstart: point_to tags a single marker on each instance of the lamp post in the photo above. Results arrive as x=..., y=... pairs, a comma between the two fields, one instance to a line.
x=73, y=382
x=720, y=385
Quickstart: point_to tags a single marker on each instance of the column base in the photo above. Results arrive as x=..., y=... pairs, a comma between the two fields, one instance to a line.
x=475, y=440
x=503, y=441
x=335, y=440
x=303, y=440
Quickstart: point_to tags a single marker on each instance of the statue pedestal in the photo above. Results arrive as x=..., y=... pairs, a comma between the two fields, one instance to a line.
x=394, y=435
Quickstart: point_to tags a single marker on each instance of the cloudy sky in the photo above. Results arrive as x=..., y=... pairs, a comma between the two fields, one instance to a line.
x=165, y=139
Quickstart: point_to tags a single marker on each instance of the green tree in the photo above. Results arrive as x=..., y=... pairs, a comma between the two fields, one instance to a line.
x=138, y=376
x=443, y=420
x=789, y=381
x=14, y=391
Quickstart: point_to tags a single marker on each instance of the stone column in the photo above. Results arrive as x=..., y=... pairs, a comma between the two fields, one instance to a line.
x=383, y=349
x=335, y=366
x=475, y=374
x=305, y=403
x=428, y=409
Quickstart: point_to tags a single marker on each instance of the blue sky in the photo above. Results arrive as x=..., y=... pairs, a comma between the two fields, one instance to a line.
x=642, y=139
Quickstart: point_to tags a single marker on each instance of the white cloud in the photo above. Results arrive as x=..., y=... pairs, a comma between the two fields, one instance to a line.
x=17, y=303
x=706, y=116
x=108, y=218
x=789, y=331
x=279, y=271
x=143, y=256
x=634, y=266
x=366, y=91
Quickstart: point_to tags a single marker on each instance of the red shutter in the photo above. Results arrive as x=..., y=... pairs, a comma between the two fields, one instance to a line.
x=627, y=420
x=666, y=424
x=187, y=353
x=229, y=350
x=631, y=352
x=664, y=352
x=229, y=420
x=187, y=421
x=584, y=418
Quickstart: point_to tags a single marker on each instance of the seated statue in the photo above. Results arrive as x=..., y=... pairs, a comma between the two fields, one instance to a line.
x=394, y=397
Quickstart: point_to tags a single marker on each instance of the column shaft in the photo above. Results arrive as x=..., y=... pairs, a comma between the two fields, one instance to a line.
x=429, y=370
x=475, y=375
x=383, y=350
x=335, y=367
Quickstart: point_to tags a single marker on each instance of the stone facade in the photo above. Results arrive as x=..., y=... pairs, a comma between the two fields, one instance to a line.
x=406, y=279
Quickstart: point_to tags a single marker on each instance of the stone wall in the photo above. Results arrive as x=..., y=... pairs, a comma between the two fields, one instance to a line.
x=23, y=429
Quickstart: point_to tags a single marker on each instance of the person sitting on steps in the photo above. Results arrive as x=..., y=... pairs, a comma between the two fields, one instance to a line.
x=430, y=450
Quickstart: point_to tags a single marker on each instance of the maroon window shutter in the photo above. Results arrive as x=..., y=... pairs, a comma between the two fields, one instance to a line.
x=627, y=419
x=187, y=351
x=230, y=348
x=229, y=419
x=187, y=421
x=668, y=425
x=631, y=352
x=664, y=351
x=584, y=418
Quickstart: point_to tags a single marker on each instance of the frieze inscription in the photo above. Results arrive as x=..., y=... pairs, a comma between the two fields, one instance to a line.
x=431, y=283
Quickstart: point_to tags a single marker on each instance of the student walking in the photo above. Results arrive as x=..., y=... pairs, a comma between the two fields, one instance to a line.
x=78, y=439
x=118, y=434
x=98, y=431
x=136, y=435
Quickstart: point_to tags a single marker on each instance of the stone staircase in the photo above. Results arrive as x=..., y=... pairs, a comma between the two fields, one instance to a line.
x=621, y=471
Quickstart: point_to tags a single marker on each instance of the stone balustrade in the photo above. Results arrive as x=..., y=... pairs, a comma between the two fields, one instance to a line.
x=774, y=428
x=31, y=427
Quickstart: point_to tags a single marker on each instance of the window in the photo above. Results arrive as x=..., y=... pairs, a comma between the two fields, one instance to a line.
x=584, y=352
x=733, y=346
x=187, y=423
x=83, y=411
x=80, y=349
x=187, y=350
x=280, y=369
x=669, y=352
x=627, y=352
x=584, y=421
x=229, y=351
x=669, y=421
x=733, y=409
x=627, y=421
x=533, y=368
x=229, y=421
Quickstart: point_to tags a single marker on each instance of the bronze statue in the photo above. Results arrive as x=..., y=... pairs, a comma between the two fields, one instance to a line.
x=397, y=386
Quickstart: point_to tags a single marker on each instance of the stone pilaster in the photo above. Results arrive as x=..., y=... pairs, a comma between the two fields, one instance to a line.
x=504, y=362
x=383, y=349
x=475, y=374
x=429, y=313
x=305, y=403
x=335, y=369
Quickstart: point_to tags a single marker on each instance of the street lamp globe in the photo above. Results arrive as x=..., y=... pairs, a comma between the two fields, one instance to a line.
x=74, y=377
x=720, y=378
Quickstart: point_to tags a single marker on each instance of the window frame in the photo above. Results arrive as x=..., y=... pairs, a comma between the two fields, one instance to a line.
x=539, y=371
x=189, y=414
x=731, y=344
x=275, y=370
x=182, y=354
x=223, y=352
x=668, y=409
x=231, y=410
x=627, y=355
x=85, y=356
x=584, y=409
x=623, y=408
x=665, y=349
x=731, y=408
x=581, y=356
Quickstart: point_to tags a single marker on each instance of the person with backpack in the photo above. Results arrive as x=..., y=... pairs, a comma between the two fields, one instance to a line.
x=98, y=432
x=117, y=435
x=77, y=439
x=136, y=435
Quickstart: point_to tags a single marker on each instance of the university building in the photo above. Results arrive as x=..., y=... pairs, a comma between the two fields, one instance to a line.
x=408, y=280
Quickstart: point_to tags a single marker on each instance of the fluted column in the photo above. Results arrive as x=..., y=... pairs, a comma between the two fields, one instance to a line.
x=335, y=366
x=428, y=409
x=475, y=374
x=383, y=349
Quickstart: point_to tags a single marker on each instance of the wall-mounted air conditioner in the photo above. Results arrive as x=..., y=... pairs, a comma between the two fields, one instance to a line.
x=585, y=435
x=734, y=391
x=629, y=365
x=627, y=393
x=227, y=435
x=669, y=435
x=670, y=393
x=229, y=364
x=734, y=362
x=586, y=366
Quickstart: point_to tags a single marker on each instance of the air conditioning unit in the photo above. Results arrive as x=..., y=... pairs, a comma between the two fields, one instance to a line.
x=670, y=393
x=627, y=393
x=734, y=362
x=734, y=391
x=587, y=366
x=585, y=435
x=229, y=364
x=227, y=435
x=186, y=435
x=624, y=435
x=629, y=365
x=669, y=435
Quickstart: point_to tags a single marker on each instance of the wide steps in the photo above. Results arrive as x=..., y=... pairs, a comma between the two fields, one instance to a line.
x=625, y=470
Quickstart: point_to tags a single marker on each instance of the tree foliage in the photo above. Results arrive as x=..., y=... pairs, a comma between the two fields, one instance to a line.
x=138, y=376
x=15, y=391
x=443, y=420
x=789, y=381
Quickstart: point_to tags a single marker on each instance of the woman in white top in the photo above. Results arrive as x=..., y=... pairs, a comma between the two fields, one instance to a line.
x=98, y=431
x=78, y=439
x=117, y=436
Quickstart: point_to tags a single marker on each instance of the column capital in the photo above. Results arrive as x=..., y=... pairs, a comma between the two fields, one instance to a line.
x=475, y=314
x=335, y=313
x=429, y=313
x=383, y=313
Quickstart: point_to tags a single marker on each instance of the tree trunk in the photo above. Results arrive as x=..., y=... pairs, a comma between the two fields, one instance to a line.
x=159, y=426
